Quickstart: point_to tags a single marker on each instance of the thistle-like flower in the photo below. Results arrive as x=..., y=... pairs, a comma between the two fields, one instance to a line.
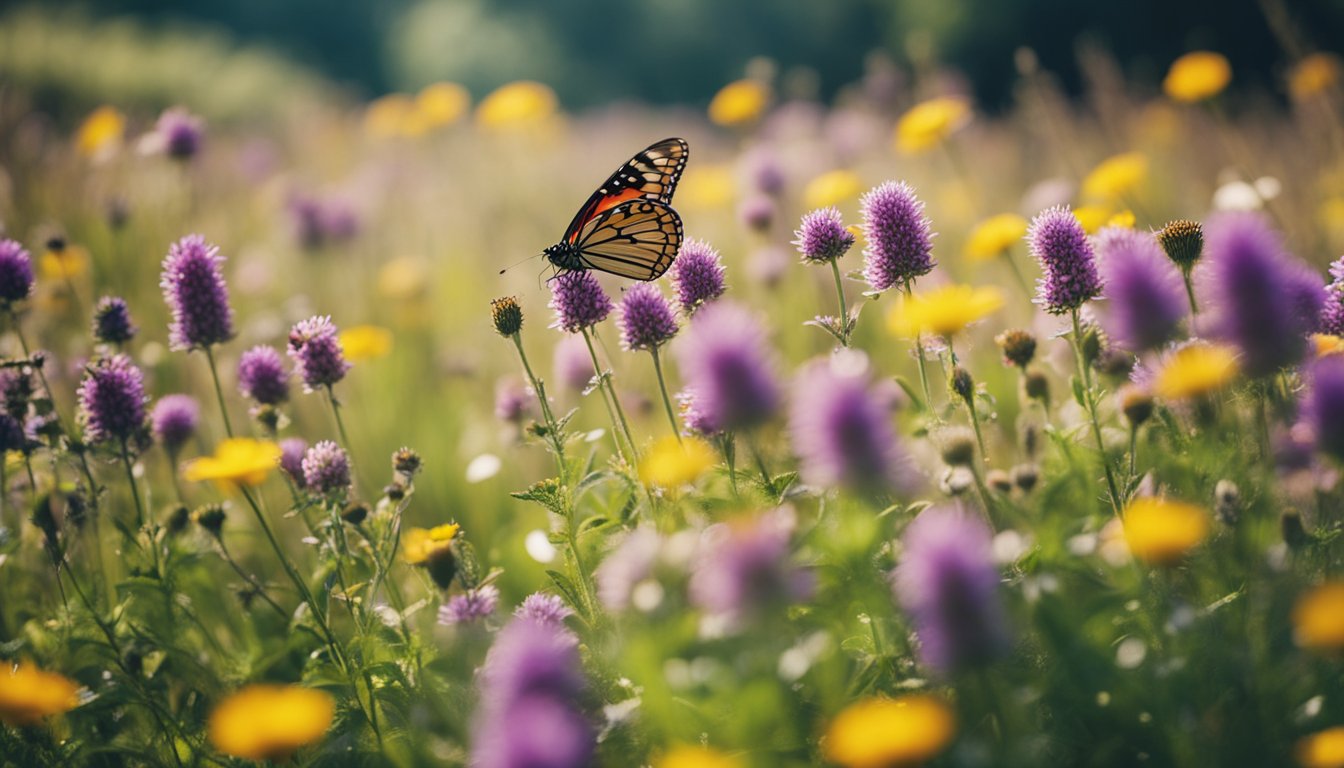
x=1058, y=241
x=1145, y=299
x=822, y=236
x=174, y=420
x=326, y=468
x=578, y=300
x=112, y=321
x=292, y=451
x=262, y=376
x=697, y=275
x=646, y=320
x=470, y=607
x=1332, y=314
x=315, y=348
x=898, y=236
x=506, y=315
x=727, y=365
x=16, y=272
x=112, y=401
x=193, y=285
x=1323, y=404
x=1183, y=242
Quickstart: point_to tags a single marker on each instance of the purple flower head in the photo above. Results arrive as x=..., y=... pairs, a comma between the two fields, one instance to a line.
x=645, y=319
x=899, y=240
x=292, y=450
x=573, y=364
x=695, y=419
x=178, y=134
x=316, y=351
x=764, y=172
x=578, y=300
x=842, y=430
x=513, y=402
x=1323, y=404
x=631, y=562
x=16, y=272
x=744, y=567
x=757, y=213
x=727, y=363
x=547, y=610
x=318, y=222
x=12, y=437
x=1070, y=277
x=112, y=400
x=948, y=584
x=1263, y=300
x=822, y=236
x=326, y=468
x=1332, y=314
x=174, y=420
x=697, y=275
x=529, y=714
x=262, y=376
x=112, y=321
x=193, y=285
x=1145, y=296
x=470, y=607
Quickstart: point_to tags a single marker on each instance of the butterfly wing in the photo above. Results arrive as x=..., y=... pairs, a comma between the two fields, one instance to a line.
x=651, y=174
x=636, y=239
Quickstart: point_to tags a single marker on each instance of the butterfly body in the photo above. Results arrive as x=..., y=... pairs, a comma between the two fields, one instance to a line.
x=628, y=227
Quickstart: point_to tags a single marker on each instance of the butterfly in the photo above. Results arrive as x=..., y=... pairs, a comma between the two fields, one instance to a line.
x=628, y=227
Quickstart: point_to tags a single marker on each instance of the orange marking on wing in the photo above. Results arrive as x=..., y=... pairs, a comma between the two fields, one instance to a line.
x=611, y=201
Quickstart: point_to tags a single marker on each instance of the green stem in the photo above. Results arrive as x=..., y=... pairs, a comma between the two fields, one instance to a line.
x=1190, y=292
x=662, y=387
x=219, y=391
x=608, y=396
x=340, y=422
x=1017, y=272
x=249, y=578
x=844, y=311
x=1090, y=400
x=539, y=388
x=616, y=403
x=919, y=355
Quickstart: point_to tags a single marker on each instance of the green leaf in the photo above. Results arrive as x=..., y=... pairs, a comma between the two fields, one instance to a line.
x=566, y=589
x=1078, y=395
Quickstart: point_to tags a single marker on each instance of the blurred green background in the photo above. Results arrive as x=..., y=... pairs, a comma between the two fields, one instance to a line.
x=658, y=51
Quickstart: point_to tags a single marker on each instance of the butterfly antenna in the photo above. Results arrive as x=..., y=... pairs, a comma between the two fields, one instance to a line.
x=524, y=261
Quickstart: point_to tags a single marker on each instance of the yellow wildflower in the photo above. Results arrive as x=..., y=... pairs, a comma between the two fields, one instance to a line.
x=64, y=262
x=404, y=277
x=101, y=133
x=739, y=102
x=387, y=116
x=697, y=757
x=880, y=733
x=1323, y=749
x=442, y=104
x=1325, y=344
x=944, y=311
x=671, y=463
x=1313, y=75
x=1318, y=618
x=928, y=123
x=28, y=694
x=1116, y=176
x=1196, y=370
x=1160, y=531
x=709, y=186
x=237, y=460
x=520, y=104
x=365, y=342
x=1197, y=76
x=1123, y=220
x=832, y=188
x=995, y=236
x=270, y=722
x=1092, y=217
x=420, y=545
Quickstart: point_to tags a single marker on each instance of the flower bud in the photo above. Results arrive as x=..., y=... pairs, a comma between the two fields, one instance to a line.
x=1294, y=534
x=962, y=384
x=957, y=446
x=211, y=518
x=999, y=480
x=1025, y=476
x=506, y=315
x=1037, y=386
x=1019, y=347
x=1183, y=241
x=406, y=462
x=1136, y=403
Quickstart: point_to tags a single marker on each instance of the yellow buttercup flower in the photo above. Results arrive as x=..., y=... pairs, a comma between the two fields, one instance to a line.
x=28, y=694
x=1116, y=177
x=1160, y=531
x=101, y=133
x=741, y=101
x=270, y=722
x=1197, y=76
x=520, y=104
x=365, y=342
x=1092, y=217
x=881, y=733
x=236, y=461
x=1318, y=618
x=995, y=236
x=832, y=188
x=1196, y=370
x=1325, y=344
x=671, y=463
x=928, y=123
x=1323, y=749
x=1314, y=74
x=697, y=757
x=944, y=311
x=64, y=263
x=709, y=186
x=420, y=545
x=1123, y=220
x=388, y=116
x=442, y=104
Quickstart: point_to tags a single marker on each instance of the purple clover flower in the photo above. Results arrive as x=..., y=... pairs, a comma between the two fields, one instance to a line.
x=316, y=351
x=744, y=567
x=898, y=235
x=529, y=714
x=573, y=365
x=578, y=300
x=292, y=451
x=174, y=420
x=1332, y=314
x=697, y=275
x=1070, y=277
x=1145, y=295
x=178, y=134
x=112, y=321
x=727, y=364
x=470, y=607
x=646, y=320
x=545, y=609
x=1264, y=301
x=16, y=272
x=842, y=429
x=262, y=376
x=822, y=236
x=193, y=285
x=326, y=468
x=1323, y=404
x=112, y=400
x=949, y=585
